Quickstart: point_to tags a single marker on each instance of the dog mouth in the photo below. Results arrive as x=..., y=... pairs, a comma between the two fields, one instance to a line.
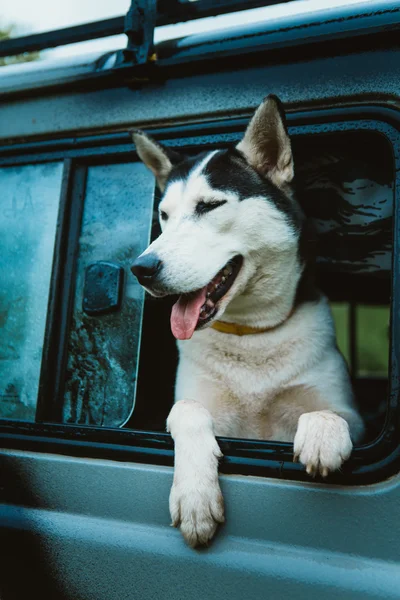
x=195, y=310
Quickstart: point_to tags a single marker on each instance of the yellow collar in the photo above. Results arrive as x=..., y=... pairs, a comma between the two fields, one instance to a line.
x=236, y=329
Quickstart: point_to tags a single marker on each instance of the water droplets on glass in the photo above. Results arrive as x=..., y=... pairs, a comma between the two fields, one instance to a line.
x=29, y=203
x=103, y=350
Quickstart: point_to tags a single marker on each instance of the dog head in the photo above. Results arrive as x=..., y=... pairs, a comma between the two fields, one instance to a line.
x=227, y=217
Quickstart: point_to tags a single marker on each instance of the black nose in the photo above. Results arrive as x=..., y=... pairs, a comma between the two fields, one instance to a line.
x=146, y=267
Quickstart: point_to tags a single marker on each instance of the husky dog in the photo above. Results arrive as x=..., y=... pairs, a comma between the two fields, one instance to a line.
x=258, y=354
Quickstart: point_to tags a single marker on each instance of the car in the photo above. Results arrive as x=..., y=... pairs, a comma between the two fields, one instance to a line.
x=87, y=360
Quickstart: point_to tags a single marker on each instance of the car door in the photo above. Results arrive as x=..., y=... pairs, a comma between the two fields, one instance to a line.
x=87, y=361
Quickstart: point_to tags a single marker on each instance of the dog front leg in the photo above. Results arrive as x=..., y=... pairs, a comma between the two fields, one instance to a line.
x=322, y=431
x=322, y=442
x=195, y=502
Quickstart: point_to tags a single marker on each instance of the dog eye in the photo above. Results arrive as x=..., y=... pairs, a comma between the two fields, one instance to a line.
x=163, y=215
x=204, y=207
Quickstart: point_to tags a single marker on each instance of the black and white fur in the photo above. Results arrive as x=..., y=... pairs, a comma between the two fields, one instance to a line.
x=288, y=383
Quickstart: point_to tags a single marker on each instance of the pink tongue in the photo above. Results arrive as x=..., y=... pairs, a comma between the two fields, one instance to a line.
x=185, y=314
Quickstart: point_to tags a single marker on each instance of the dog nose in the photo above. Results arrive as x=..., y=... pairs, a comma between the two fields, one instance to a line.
x=146, y=267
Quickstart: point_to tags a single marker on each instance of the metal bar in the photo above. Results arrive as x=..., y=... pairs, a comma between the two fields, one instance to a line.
x=341, y=25
x=179, y=11
x=61, y=37
x=62, y=292
x=168, y=12
x=393, y=409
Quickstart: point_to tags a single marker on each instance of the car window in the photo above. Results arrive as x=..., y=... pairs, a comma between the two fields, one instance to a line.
x=104, y=340
x=29, y=208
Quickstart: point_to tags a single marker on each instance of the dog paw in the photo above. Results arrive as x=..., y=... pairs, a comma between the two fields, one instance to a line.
x=322, y=442
x=197, y=511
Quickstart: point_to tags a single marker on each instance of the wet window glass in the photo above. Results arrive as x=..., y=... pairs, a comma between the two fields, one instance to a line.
x=29, y=207
x=103, y=347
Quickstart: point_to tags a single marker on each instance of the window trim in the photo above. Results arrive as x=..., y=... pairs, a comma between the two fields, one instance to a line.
x=62, y=291
x=369, y=463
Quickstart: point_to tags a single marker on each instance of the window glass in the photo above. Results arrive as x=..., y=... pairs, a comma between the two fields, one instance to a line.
x=372, y=326
x=29, y=206
x=372, y=337
x=340, y=312
x=103, y=350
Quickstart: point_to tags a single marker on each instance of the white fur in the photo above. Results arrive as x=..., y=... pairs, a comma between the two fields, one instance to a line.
x=217, y=237
x=288, y=384
x=322, y=442
x=195, y=501
x=238, y=378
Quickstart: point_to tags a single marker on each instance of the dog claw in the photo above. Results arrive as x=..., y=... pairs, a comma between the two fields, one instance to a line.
x=311, y=470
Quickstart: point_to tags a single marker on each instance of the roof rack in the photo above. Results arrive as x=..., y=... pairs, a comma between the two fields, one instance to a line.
x=138, y=25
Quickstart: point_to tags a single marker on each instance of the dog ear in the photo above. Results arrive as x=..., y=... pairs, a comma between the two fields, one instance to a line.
x=156, y=157
x=266, y=144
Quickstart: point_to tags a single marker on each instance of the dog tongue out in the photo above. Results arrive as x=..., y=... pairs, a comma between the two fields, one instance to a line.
x=185, y=314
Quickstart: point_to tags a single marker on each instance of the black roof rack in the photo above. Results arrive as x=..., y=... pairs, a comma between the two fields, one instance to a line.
x=139, y=16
